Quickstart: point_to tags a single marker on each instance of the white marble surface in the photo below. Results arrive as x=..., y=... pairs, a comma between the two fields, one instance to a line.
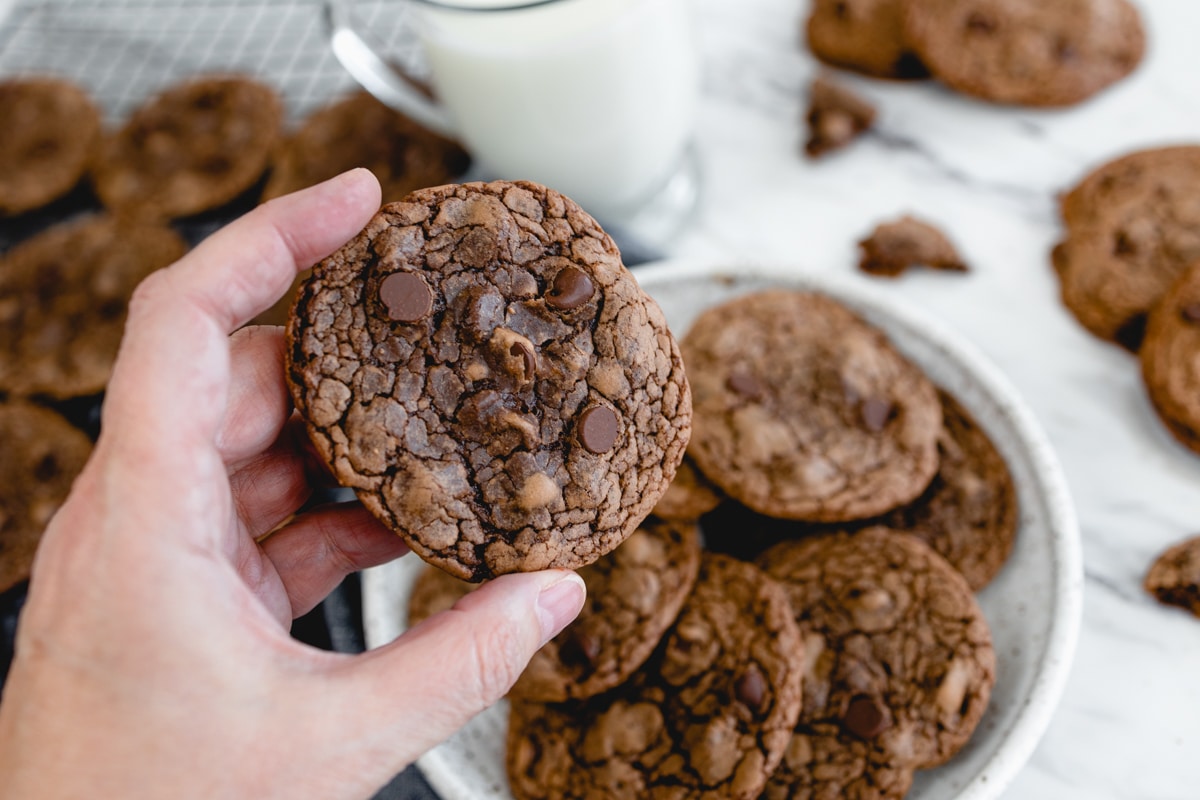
x=1128, y=725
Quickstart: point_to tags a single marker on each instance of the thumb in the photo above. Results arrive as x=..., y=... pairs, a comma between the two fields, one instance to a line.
x=415, y=692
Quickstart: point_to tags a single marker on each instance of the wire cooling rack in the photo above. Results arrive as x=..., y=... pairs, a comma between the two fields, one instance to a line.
x=123, y=51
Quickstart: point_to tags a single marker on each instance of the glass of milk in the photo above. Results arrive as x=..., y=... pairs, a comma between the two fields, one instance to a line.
x=594, y=98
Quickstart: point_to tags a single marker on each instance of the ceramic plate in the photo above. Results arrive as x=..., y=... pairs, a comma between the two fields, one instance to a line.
x=1033, y=606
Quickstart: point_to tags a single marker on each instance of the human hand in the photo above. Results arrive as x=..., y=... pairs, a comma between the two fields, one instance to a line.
x=153, y=655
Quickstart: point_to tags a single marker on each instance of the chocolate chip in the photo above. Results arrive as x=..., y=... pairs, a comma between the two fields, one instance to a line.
x=751, y=688
x=47, y=469
x=598, y=428
x=579, y=649
x=875, y=413
x=866, y=718
x=1123, y=245
x=980, y=24
x=528, y=358
x=1191, y=312
x=1064, y=50
x=406, y=296
x=746, y=384
x=572, y=288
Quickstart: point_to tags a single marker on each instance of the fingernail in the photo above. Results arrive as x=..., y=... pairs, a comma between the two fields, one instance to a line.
x=559, y=603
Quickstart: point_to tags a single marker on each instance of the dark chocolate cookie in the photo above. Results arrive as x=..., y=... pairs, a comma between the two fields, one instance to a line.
x=1133, y=225
x=481, y=368
x=64, y=295
x=1027, y=52
x=50, y=127
x=42, y=455
x=633, y=595
x=826, y=762
x=709, y=715
x=893, y=247
x=1174, y=577
x=1170, y=357
x=898, y=653
x=863, y=35
x=969, y=513
x=805, y=411
x=835, y=117
x=194, y=147
x=690, y=496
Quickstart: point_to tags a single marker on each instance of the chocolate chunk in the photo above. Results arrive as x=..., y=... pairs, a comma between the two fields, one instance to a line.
x=1191, y=312
x=579, y=649
x=876, y=411
x=572, y=288
x=866, y=718
x=406, y=296
x=751, y=688
x=980, y=24
x=598, y=429
x=744, y=383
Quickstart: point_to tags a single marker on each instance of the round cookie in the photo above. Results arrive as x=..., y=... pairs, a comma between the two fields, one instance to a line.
x=690, y=496
x=863, y=35
x=969, y=513
x=64, y=295
x=1170, y=358
x=709, y=715
x=1174, y=577
x=50, y=127
x=633, y=595
x=1026, y=52
x=194, y=147
x=42, y=455
x=491, y=380
x=1133, y=225
x=898, y=653
x=805, y=411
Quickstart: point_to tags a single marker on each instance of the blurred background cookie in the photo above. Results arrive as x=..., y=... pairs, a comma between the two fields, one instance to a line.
x=863, y=35
x=1170, y=358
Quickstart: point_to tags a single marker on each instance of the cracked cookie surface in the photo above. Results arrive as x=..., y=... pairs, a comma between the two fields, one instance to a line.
x=709, y=714
x=490, y=379
x=898, y=654
x=805, y=411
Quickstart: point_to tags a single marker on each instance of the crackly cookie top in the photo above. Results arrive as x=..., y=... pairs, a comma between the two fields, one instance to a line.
x=824, y=761
x=64, y=295
x=196, y=146
x=41, y=455
x=898, y=653
x=634, y=594
x=806, y=411
x=50, y=127
x=1174, y=577
x=481, y=368
x=1029, y=52
x=709, y=714
x=1133, y=226
x=1170, y=358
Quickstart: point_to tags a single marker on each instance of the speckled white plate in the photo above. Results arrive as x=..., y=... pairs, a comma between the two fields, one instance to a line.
x=1033, y=606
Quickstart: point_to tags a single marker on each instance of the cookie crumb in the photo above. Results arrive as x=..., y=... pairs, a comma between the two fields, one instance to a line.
x=836, y=116
x=1174, y=577
x=893, y=247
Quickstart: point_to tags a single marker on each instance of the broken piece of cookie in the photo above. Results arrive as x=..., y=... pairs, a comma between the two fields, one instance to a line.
x=893, y=247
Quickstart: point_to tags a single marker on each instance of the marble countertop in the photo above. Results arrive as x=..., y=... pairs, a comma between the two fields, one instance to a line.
x=1128, y=725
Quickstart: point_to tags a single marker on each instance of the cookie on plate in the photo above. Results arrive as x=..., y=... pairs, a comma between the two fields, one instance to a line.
x=828, y=761
x=863, y=35
x=1133, y=225
x=50, y=128
x=491, y=380
x=64, y=295
x=898, y=655
x=893, y=247
x=1026, y=52
x=708, y=715
x=806, y=411
x=1174, y=577
x=194, y=147
x=42, y=454
x=1170, y=358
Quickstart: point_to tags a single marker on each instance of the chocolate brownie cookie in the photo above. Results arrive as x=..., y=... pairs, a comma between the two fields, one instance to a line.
x=1027, y=52
x=969, y=513
x=863, y=35
x=491, y=380
x=835, y=117
x=50, y=127
x=1174, y=577
x=893, y=247
x=1133, y=225
x=42, y=455
x=709, y=715
x=63, y=299
x=690, y=496
x=898, y=653
x=806, y=411
x=633, y=595
x=194, y=147
x=1170, y=358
